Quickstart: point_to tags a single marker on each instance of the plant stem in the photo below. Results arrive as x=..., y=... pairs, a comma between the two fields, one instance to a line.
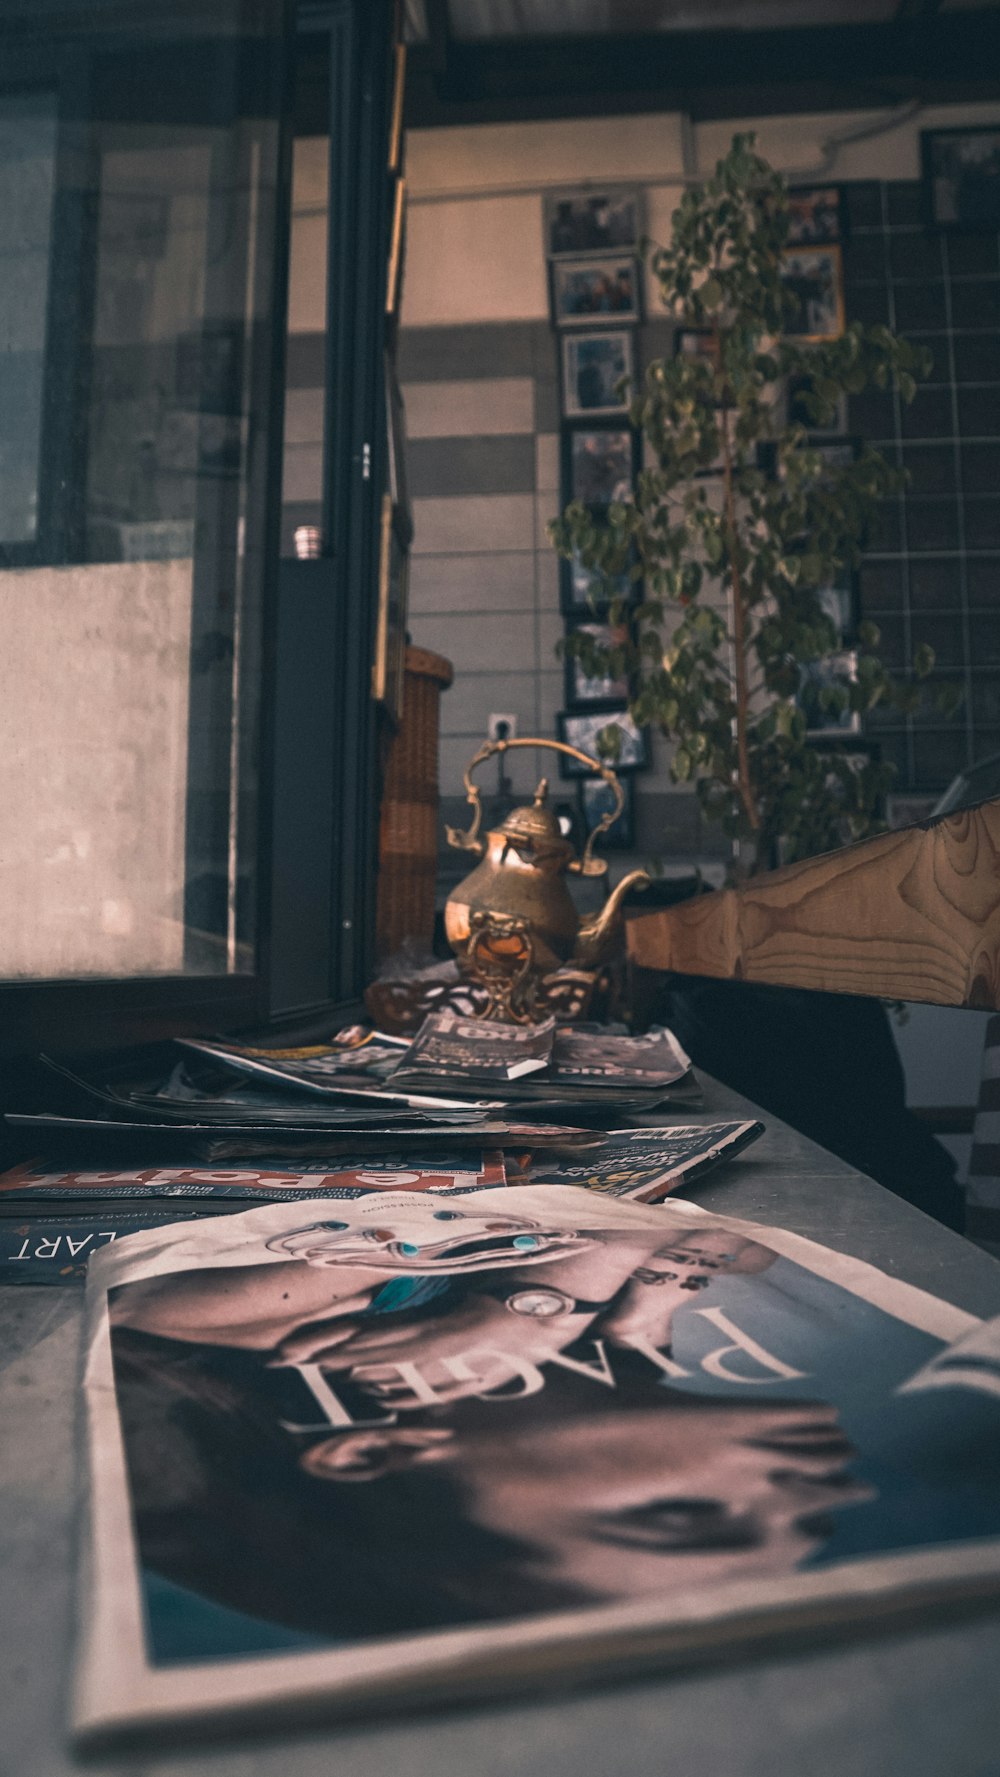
x=743, y=783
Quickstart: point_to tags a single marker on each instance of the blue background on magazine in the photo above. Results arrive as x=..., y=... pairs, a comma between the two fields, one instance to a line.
x=931, y=1455
x=189, y=1626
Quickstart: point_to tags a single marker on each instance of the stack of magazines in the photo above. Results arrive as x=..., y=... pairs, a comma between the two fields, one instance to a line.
x=464, y=1107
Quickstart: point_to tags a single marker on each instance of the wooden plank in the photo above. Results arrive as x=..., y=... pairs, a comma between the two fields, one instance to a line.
x=911, y=915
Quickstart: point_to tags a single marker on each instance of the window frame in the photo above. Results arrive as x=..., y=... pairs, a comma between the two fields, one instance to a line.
x=87, y=1015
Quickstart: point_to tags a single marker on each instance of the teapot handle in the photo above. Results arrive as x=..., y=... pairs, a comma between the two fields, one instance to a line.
x=588, y=865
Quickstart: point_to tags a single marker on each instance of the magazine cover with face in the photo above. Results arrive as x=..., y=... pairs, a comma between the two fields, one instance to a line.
x=350, y=1455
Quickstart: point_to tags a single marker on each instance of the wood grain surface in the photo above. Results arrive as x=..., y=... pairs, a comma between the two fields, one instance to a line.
x=911, y=915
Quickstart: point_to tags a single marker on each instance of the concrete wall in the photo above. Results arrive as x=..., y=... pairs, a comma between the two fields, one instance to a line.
x=92, y=806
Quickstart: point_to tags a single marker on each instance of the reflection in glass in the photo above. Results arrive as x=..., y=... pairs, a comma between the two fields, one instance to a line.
x=129, y=685
x=27, y=172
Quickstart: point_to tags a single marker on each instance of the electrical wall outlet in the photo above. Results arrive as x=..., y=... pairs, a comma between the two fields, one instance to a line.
x=500, y=727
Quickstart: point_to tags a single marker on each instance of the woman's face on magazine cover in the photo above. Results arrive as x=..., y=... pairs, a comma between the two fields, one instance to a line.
x=733, y=1489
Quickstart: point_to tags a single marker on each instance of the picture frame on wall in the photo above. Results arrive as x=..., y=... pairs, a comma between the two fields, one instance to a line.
x=582, y=690
x=396, y=116
x=600, y=463
x=839, y=601
x=697, y=342
x=800, y=411
x=598, y=369
x=390, y=629
x=599, y=219
x=598, y=799
x=838, y=452
x=961, y=177
x=598, y=291
x=395, y=421
x=585, y=593
x=814, y=215
x=581, y=728
x=819, y=676
x=394, y=271
x=816, y=276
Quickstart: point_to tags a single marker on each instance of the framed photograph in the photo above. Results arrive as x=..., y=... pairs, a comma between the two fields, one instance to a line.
x=799, y=409
x=595, y=365
x=814, y=215
x=818, y=677
x=962, y=177
x=815, y=275
x=837, y=452
x=839, y=602
x=591, y=292
x=394, y=272
x=596, y=800
x=599, y=464
x=604, y=219
x=390, y=631
x=395, y=422
x=396, y=119
x=604, y=690
x=581, y=729
x=697, y=342
x=585, y=593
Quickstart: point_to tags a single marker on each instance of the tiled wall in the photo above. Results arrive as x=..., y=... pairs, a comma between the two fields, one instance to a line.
x=933, y=570
x=482, y=414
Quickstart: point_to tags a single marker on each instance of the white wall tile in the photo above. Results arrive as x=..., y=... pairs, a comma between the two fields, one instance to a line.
x=474, y=697
x=547, y=462
x=303, y=416
x=442, y=583
x=469, y=408
x=303, y=472
x=473, y=523
x=478, y=261
x=479, y=642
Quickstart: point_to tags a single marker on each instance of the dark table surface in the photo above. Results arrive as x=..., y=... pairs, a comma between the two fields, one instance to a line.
x=924, y=1702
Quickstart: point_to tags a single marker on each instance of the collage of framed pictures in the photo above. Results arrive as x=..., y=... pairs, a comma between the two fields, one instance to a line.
x=592, y=244
x=813, y=268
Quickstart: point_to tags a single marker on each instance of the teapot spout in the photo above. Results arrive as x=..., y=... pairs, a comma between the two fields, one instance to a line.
x=597, y=936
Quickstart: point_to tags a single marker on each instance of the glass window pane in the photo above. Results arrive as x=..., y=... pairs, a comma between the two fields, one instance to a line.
x=27, y=172
x=130, y=674
x=302, y=487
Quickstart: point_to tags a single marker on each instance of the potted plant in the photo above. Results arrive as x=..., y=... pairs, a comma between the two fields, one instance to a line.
x=739, y=525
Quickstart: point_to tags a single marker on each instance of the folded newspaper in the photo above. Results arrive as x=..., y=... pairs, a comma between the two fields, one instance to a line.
x=557, y=1062
x=645, y=1164
x=345, y=1457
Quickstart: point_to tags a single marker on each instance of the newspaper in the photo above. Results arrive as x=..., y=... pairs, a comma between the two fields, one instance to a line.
x=321, y=1069
x=645, y=1164
x=448, y=1045
x=36, y=1184
x=346, y=1457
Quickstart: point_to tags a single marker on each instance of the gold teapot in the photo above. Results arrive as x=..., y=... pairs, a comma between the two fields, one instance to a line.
x=517, y=894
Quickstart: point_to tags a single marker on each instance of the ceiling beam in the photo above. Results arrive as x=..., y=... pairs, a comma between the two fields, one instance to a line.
x=709, y=73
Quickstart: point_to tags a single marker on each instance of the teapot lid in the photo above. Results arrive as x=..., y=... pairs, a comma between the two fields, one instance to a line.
x=536, y=825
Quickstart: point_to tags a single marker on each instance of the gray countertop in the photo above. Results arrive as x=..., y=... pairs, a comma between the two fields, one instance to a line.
x=924, y=1702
